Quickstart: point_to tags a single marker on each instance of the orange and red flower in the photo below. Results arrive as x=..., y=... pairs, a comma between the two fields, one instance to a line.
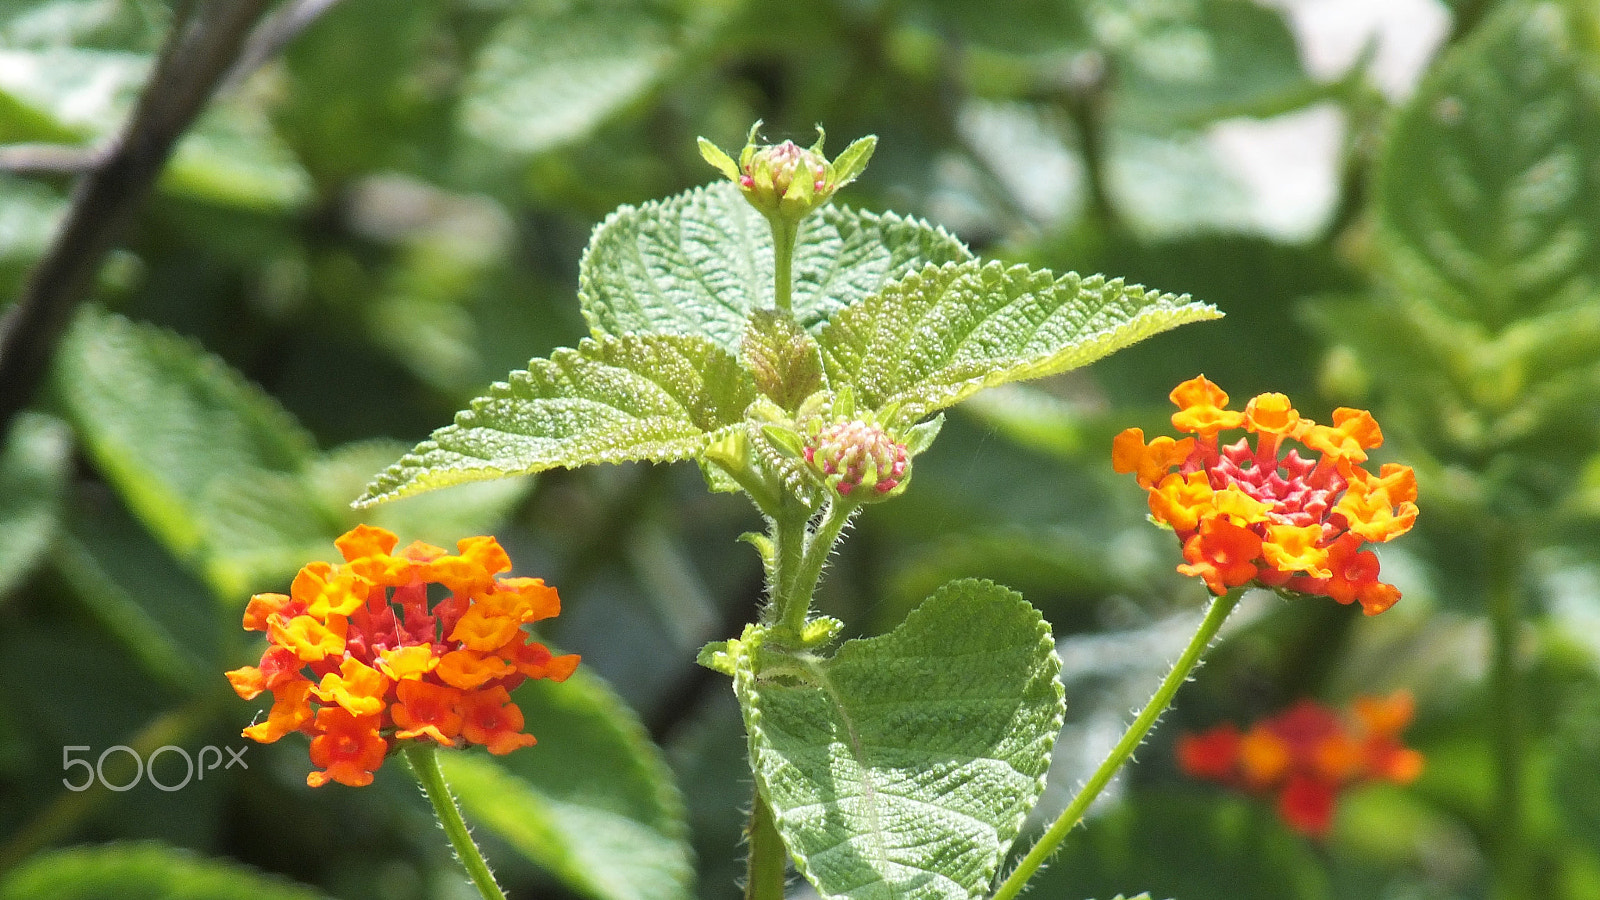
x=1263, y=516
x=359, y=659
x=1308, y=754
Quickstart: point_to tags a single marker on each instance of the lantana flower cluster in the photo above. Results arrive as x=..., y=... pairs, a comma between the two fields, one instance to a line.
x=1291, y=518
x=856, y=453
x=359, y=659
x=1307, y=755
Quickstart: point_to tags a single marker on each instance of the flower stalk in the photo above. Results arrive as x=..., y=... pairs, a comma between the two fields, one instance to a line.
x=424, y=761
x=1503, y=556
x=1123, y=751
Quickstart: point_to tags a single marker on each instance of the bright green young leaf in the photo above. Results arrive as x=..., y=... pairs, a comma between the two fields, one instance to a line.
x=1489, y=190
x=700, y=262
x=945, y=333
x=144, y=871
x=34, y=463
x=651, y=397
x=593, y=803
x=904, y=765
x=553, y=71
x=210, y=463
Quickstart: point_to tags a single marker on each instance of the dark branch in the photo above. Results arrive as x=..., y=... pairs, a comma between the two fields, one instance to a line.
x=201, y=47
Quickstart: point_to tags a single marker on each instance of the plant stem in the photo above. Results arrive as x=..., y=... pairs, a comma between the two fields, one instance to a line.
x=1505, y=680
x=425, y=765
x=788, y=551
x=1073, y=814
x=818, y=547
x=784, y=232
x=764, y=875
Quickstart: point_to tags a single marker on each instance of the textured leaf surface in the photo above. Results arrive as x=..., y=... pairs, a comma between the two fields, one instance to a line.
x=943, y=334
x=554, y=70
x=141, y=872
x=593, y=802
x=903, y=766
x=698, y=263
x=781, y=357
x=650, y=397
x=211, y=464
x=1489, y=192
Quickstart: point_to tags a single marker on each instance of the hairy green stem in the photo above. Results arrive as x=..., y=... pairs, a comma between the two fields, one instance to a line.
x=764, y=873
x=788, y=550
x=1073, y=814
x=425, y=765
x=1505, y=679
x=818, y=547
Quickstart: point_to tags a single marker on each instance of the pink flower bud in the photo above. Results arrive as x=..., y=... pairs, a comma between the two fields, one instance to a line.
x=851, y=454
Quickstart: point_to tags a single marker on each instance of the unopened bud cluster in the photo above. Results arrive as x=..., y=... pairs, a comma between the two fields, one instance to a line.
x=786, y=181
x=854, y=454
x=770, y=172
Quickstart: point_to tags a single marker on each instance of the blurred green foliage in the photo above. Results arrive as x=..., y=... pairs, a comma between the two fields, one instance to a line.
x=378, y=223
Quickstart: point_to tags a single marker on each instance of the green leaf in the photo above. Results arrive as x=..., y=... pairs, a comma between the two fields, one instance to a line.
x=1489, y=189
x=440, y=519
x=210, y=463
x=593, y=802
x=141, y=596
x=553, y=71
x=61, y=94
x=650, y=397
x=945, y=333
x=144, y=871
x=781, y=357
x=234, y=157
x=29, y=214
x=34, y=464
x=904, y=765
x=1182, y=64
x=1044, y=27
x=700, y=262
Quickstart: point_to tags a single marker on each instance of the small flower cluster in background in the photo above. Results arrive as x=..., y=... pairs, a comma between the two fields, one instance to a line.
x=1307, y=755
x=359, y=660
x=1279, y=520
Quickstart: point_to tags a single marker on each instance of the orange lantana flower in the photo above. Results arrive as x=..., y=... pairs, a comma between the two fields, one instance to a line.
x=1308, y=754
x=1260, y=515
x=359, y=659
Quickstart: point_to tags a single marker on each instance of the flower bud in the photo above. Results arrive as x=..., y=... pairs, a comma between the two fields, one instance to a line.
x=858, y=459
x=786, y=181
